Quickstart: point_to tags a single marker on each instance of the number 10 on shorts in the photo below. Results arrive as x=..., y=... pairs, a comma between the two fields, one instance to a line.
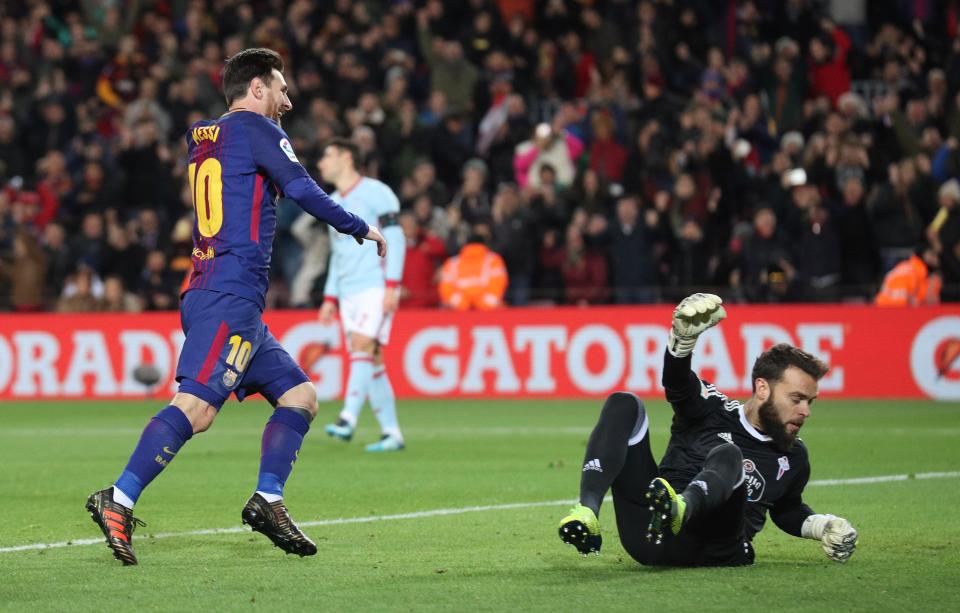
x=239, y=352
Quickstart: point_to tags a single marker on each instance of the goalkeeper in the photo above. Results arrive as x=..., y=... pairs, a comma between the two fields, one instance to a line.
x=726, y=466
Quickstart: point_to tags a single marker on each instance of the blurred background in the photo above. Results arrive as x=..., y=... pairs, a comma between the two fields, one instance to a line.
x=609, y=151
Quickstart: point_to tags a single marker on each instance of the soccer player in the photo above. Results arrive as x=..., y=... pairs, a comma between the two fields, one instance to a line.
x=365, y=292
x=238, y=166
x=731, y=462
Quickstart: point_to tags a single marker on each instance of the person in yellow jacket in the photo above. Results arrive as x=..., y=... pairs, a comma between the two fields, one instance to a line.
x=914, y=281
x=476, y=278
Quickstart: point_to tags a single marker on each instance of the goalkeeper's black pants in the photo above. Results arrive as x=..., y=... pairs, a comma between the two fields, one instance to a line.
x=620, y=446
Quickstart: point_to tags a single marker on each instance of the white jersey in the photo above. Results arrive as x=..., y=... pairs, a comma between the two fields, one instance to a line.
x=354, y=267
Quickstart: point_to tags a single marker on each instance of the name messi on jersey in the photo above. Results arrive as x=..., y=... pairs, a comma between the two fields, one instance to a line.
x=210, y=133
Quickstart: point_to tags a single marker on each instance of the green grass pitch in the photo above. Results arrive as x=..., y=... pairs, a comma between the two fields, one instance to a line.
x=460, y=454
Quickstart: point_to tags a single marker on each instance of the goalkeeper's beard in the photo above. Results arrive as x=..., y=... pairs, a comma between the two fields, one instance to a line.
x=774, y=427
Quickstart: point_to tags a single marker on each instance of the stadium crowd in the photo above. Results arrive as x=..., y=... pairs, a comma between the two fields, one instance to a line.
x=606, y=150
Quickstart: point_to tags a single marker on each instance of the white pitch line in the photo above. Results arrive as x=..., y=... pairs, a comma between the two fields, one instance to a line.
x=457, y=511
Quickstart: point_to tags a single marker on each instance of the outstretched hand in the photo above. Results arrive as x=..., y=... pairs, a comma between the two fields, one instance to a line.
x=375, y=235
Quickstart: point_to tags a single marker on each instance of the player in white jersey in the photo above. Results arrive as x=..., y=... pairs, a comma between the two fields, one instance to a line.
x=365, y=292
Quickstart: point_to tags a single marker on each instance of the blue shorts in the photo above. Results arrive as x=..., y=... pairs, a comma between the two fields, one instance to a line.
x=228, y=349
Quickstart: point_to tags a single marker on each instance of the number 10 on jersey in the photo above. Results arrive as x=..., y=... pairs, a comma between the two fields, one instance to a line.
x=206, y=184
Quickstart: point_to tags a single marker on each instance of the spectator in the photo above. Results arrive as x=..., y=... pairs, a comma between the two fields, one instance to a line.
x=895, y=218
x=450, y=72
x=89, y=246
x=81, y=292
x=764, y=252
x=829, y=73
x=548, y=146
x=116, y=299
x=450, y=146
x=95, y=194
x=425, y=253
x=60, y=263
x=548, y=281
x=121, y=257
x=913, y=282
x=691, y=266
x=589, y=192
x=944, y=234
x=158, y=286
x=630, y=249
x=13, y=158
x=858, y=249
x=584, y=272
x=472, y=199
x=818, y=255
x=315, y=242
x=423, y=180
x=607, y=156
x=476, y=278
x=513, y=240
x=26, y=273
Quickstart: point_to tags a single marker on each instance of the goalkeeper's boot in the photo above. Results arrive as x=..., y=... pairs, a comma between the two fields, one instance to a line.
x=667, y=510
x=581, y=528
x=385, y=444
x=117, y=523
x=272, y=520
x=341, y=430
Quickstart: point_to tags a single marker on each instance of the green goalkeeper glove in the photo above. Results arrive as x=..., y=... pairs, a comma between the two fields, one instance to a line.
x=836, y=535
x=693, y=316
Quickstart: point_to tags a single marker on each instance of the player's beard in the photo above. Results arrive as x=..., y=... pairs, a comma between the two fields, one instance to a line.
x=773, y=427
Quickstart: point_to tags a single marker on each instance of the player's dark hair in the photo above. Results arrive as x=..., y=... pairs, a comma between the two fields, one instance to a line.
x=345, y=144
x=245, y=66
x=774, y=361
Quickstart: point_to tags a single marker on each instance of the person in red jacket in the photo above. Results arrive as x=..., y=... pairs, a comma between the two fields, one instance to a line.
x=425, y=253
x=829, y=73
x=584, y=272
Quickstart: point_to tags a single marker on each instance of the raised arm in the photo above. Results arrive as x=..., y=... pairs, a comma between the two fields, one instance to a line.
x=684, y=390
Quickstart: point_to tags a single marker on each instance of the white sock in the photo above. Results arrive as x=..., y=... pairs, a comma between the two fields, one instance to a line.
x=120, y=498
x=384, y=404
x=358, y=386
x=271, y=498
x=350, y=418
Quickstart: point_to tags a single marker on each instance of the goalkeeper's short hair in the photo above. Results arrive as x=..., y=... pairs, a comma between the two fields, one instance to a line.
x=774, y=361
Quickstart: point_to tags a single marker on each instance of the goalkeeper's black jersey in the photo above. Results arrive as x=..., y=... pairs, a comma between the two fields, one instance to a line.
x=704, y=418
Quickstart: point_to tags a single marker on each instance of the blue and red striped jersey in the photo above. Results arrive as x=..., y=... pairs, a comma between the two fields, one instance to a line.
x=238, y=166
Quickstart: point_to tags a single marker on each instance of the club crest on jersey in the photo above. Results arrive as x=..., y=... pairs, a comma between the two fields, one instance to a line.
x=755, y=481
x=784, y=466
x=230, y=378
x=287, y=149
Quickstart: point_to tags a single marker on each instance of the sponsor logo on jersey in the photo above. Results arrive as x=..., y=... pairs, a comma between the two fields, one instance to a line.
x=784, y=466
x=592, y=465
x=229, y=378
x=755, y=481
x=209, y=254
x=726, y=436
x=210, y=133
x=287, y=149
